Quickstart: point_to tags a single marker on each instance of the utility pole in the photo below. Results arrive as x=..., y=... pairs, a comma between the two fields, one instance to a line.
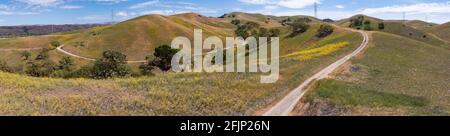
x=315, y=9
x=404, y=17
x=112, y=15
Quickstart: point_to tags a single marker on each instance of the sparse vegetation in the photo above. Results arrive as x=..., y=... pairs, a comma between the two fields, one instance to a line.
x=4, y=66
x=236, y=22
x=26, y=55
x=396, y=76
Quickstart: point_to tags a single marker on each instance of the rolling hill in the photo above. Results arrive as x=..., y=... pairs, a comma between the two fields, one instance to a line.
x=414, y=29
x=442, y=31
x=169, y=93
x=138, y=37
x=29, y=30
x=396, y=76
x=402, y=73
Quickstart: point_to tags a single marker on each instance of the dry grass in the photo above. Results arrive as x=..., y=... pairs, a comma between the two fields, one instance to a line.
x=166, y=94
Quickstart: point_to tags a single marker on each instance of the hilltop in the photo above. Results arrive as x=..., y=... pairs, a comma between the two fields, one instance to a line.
x=413, y=29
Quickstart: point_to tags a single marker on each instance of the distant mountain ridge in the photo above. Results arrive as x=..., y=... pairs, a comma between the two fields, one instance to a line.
x=30, y=30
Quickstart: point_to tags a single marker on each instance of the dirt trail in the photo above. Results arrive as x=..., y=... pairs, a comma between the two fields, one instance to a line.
x=288, y=103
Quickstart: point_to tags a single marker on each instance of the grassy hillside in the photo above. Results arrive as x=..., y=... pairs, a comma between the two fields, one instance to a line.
x=421, y=25
x=171, y=94
x=410, y=32
x=27, y=42
x=442, y=31
x=395, y=76
x=138, y=37
x=414, y=29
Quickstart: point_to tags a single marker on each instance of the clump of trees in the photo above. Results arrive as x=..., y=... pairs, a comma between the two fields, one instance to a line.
x=4, y=66
x=367, y=25
x=41, y=66
x=55, y=44
x=250, y=29
x=161, y=59
x=381, y=26
x=112, y=64
x=356, y=22
x=236, y=22
x=324, y=31
x=246, y=30
x=298, y=27
x=360, y=22
x=25, y=55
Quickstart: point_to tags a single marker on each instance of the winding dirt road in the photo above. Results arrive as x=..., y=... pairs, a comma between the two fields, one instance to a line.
x=287, y=104
x=91, y=59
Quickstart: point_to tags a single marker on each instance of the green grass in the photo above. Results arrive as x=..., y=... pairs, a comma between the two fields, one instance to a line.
x=398, y=76
x=350, y=95
x=27, y=42
x=399, y=28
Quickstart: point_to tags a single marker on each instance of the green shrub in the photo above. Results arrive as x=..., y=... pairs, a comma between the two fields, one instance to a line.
x=43, y=54
x=4, y=66
x=56, y=44
x=113, y=64
x=40, y=68
x=236, y=22
x=66, y=63
x=381, y=26
x=298, y=27
x=26, y=55
x=162, y=59
x=324, y=31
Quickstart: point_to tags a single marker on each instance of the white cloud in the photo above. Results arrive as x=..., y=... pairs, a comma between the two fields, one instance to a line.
x=71, y=7
x=17, y=13
x=340, y=6
x=44, y=3
x=109, y=1
x=294, y=4
x=161, y=12
x=5, y=7
x=94, y=18
x=144, y=4
x=297, y=3
x=414, y=8
x=122, y=14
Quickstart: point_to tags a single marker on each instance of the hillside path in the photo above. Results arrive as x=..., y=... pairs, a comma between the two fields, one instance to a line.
x=288, y=103
x=91, y=59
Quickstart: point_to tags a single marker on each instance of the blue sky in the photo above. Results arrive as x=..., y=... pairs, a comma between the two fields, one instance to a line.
x=25, y=12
